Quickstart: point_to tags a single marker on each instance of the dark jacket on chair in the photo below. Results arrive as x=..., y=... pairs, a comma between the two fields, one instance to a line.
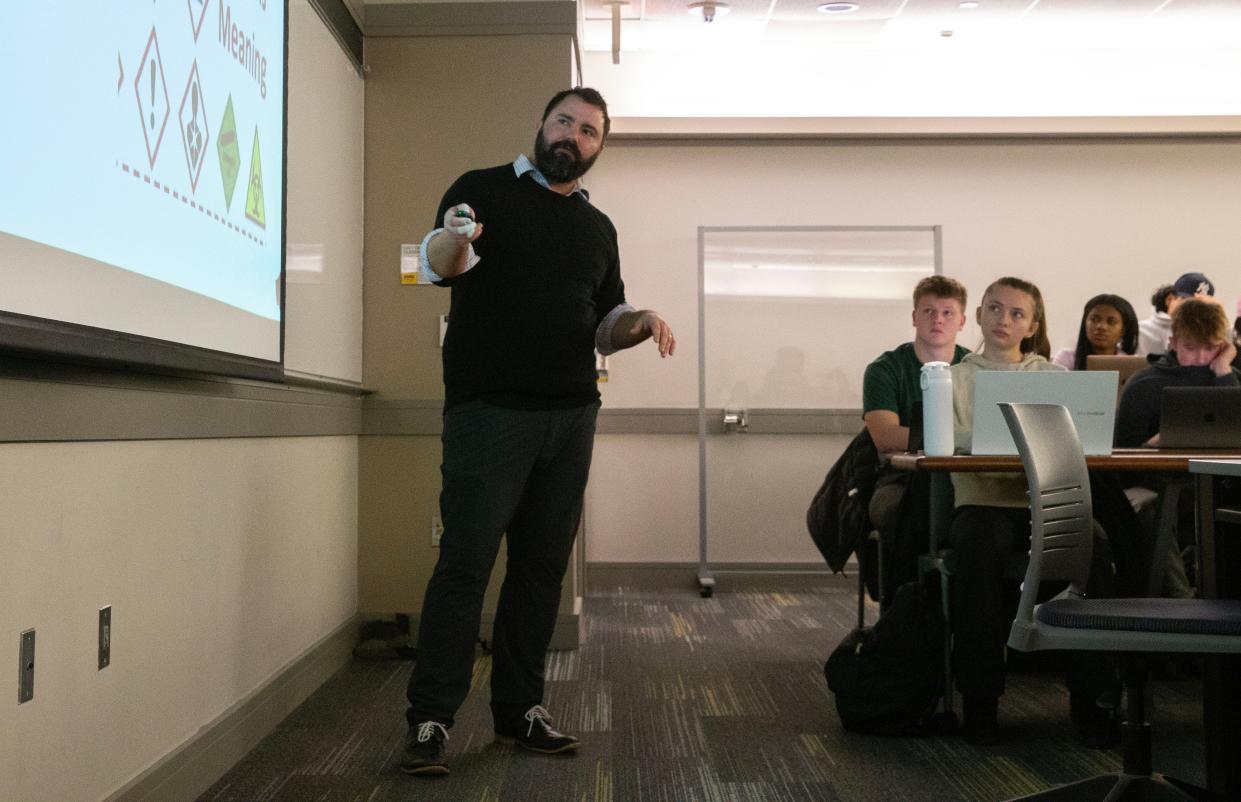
x=838, y=518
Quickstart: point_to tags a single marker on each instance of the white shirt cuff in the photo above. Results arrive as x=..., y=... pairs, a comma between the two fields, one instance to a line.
x=603, y=334
x=425, y=273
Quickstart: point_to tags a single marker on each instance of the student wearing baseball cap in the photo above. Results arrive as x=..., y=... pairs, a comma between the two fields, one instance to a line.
x=1153, y=333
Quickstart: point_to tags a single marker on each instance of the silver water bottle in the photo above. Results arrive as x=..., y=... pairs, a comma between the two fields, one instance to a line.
x=936, y=409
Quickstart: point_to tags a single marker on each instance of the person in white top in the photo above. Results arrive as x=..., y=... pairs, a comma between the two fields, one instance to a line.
x=1109, y=326
x=1153, y=333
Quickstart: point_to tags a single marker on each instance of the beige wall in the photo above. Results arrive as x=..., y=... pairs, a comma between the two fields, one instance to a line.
x=222, y=561
x=435, y=107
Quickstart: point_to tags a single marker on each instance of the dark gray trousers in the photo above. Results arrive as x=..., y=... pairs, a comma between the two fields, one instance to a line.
x=520, y=472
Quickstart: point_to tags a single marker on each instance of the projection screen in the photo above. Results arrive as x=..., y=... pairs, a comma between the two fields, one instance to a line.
x=142, y=167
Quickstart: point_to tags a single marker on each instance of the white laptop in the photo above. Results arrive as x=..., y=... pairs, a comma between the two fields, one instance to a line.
x=1089, y=395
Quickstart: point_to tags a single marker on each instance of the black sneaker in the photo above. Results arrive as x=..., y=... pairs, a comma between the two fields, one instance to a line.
x=539, y=735
x=424, y=749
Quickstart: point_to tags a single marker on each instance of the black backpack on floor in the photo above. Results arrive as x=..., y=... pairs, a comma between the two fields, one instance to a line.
x=888, y=678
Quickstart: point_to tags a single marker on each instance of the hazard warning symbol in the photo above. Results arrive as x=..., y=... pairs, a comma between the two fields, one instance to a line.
x=255, y=209
x=230, y=153
x=151, y=91
x=194, y=131
x=198, y=10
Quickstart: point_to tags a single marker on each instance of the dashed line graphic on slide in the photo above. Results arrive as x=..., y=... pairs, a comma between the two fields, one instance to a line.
x=188, y=201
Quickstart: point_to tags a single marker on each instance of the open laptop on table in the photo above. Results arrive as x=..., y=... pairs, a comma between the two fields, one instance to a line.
x=1090, y=397
x=1124, y=365
x=1200, y=417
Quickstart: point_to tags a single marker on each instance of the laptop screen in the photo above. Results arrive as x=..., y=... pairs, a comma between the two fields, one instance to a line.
x=1090, y=397
x=1200, y=417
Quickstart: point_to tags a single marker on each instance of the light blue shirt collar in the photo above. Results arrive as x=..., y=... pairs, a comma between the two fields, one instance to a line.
x=523, y=165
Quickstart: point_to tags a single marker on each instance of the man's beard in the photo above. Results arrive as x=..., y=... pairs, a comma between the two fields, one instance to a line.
x=561, y=161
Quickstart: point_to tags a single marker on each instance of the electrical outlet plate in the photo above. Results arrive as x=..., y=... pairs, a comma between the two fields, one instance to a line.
x=105, y=637
x=437, y=531
x=25, y=682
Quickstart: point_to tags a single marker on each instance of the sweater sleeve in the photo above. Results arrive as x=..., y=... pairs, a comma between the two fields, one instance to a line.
x=611, y=291
x=1230, y=379
x=1137, y=415
x=466, y=189
x=1066, y=358
x=879, y=388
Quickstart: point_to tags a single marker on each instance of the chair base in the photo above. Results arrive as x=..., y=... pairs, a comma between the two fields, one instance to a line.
x=1121, y=787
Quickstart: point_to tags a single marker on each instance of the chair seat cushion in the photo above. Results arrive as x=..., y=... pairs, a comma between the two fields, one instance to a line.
x=1179, y=616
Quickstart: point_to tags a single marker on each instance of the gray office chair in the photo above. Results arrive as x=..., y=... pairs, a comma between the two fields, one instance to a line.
x=1060, y=546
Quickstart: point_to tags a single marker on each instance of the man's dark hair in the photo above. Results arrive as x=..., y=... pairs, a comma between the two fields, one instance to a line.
x=1159, y=298
x=587, y=95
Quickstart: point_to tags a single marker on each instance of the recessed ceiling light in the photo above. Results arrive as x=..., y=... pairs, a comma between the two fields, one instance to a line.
x=970, y=4
x=838, y=8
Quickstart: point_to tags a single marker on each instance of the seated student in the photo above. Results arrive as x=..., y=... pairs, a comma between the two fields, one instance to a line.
x=891, y=390
x=1200, y=354
x=1153, y=332
x=1109, y=327
x=992, y=522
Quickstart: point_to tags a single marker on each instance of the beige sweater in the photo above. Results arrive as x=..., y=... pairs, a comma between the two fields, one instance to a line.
x=986, y=489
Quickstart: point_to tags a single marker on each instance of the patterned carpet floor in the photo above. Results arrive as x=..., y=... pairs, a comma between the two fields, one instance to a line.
x=678, y=698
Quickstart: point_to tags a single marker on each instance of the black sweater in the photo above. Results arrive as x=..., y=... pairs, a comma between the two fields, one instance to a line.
x=1137, y=418
x=521, y=329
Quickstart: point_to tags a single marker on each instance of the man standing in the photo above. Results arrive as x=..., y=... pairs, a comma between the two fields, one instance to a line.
x=536, y=289
x=891, y=389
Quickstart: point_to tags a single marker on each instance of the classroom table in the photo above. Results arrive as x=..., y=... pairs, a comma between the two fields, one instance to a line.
x=1217, y=475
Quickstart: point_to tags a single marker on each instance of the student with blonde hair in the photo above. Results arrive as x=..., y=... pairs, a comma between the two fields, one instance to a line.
x=1200, y=354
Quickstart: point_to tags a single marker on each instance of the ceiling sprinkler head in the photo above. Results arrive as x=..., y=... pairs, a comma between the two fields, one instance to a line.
x=708, y=9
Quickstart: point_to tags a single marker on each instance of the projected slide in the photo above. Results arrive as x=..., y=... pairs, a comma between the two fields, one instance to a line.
x=142, y=168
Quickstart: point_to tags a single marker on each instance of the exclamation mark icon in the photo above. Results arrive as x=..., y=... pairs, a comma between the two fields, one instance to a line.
x=152, y=94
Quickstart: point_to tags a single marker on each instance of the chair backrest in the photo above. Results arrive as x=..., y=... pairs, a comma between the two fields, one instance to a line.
x=1061, y=523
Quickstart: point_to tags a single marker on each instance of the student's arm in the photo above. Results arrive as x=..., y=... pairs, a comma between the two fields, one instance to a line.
x=886, y=430
x=1137, y=416
x=880, y=400
x=962, y=409
x=1221, y=365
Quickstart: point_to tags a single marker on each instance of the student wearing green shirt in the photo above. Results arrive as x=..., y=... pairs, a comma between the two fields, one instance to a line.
x=891, y=392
